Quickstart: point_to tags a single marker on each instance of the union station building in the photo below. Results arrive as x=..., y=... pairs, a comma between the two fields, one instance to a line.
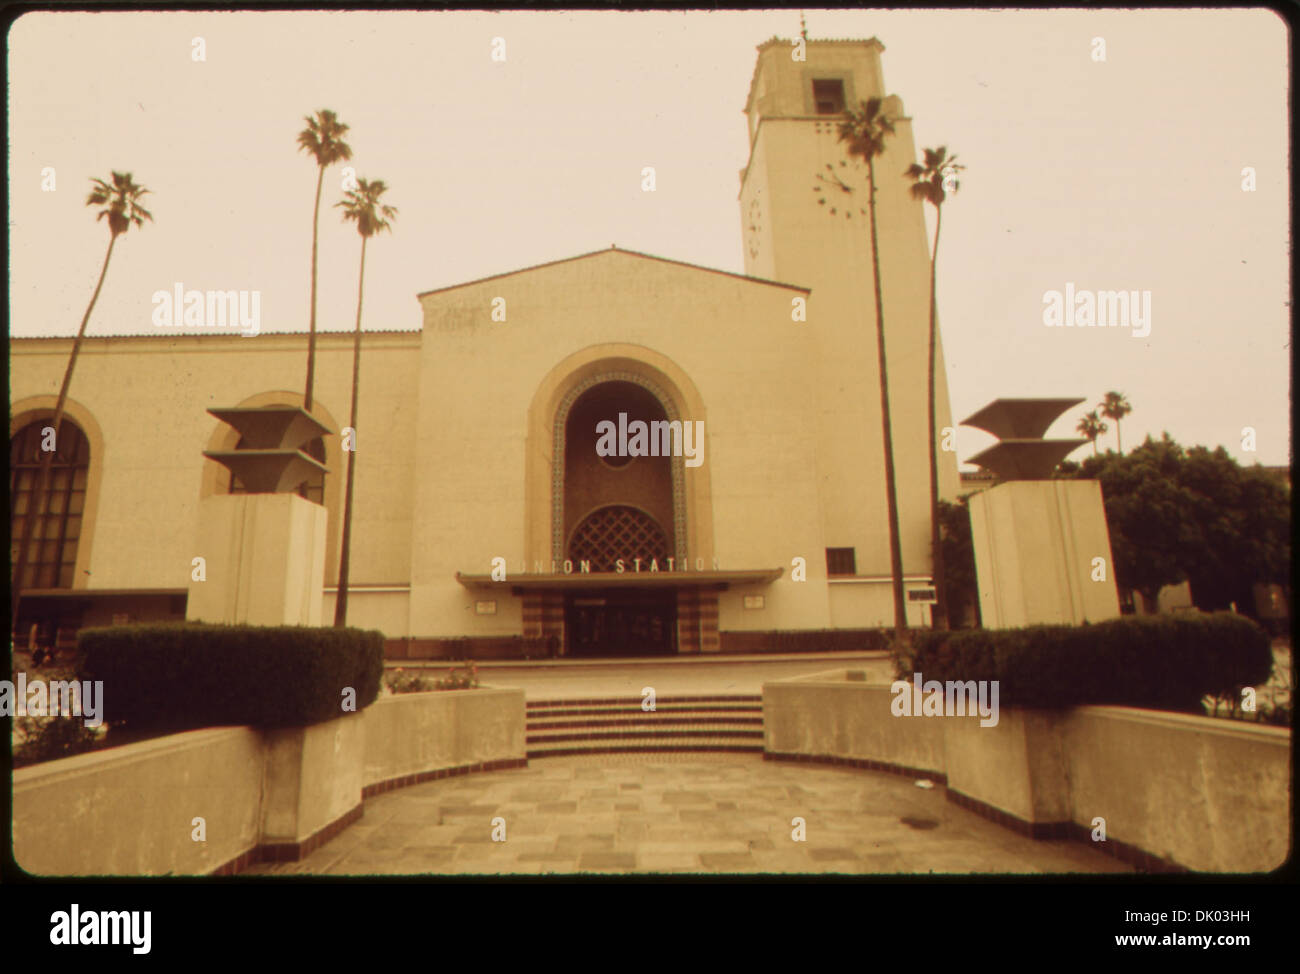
x=484, y=510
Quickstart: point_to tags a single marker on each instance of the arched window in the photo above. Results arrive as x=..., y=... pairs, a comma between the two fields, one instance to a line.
x=312, y=489
x=52, y=554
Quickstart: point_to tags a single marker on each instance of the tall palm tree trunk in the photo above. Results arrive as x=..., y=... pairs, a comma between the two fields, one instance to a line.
x=940, y=619
x=311, y=340
x=36, y=504
x=895, y=551
x=345, y=550
x=1119, y=438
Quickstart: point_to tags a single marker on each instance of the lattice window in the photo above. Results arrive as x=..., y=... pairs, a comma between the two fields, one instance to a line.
x=618, y=532
x=52, y=555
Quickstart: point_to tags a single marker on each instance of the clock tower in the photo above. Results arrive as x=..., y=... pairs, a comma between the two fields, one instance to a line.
x=790, y=235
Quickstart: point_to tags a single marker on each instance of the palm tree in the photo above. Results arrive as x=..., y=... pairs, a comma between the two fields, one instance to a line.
x=864, y=133
x=1116, y=407
x=928, y=186
x=1092, y=427
x=121, y=205
x=362, y=206
x=323, y=138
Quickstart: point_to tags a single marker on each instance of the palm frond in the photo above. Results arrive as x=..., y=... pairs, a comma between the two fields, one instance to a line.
x=323, y=138
x=120, y=202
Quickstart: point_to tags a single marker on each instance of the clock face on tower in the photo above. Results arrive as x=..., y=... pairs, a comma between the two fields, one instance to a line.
x=754, y=230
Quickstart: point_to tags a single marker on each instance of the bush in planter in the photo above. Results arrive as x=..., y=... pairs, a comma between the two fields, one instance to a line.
x=399, y=681
x=175, y=676
x=458, y=678
x=51, y=738
x=1167, y=662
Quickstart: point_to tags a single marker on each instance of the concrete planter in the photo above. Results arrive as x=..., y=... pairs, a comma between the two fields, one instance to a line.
x=312, y=778
x=261, y=795
x=1175, y=791
x=414, y=734
x=844, y=720
x=1016, y=767
x=129, y=811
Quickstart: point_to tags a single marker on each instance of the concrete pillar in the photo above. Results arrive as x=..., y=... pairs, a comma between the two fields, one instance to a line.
x=264, y=561
x=1036, y=548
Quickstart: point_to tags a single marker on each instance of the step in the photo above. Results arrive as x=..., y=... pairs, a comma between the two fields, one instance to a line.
x=719, y=709
x=645, y=743
x=619, y=731
x=751, y=699
x=731, y=723
x=651, y=719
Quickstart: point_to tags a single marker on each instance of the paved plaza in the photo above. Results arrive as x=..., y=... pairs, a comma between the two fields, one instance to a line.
x=680, y=814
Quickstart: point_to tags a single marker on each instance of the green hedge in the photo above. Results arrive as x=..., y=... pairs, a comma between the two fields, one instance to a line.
x=1166, y=662
x=185, y=675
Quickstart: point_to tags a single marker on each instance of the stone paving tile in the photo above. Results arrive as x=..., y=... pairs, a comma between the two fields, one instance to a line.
x=557, y=808
x=532, y=825
x=538, y=793
x=663, y=862
x=728, y=862
x=633, y=832
x=483, y=834
x=834, y=854
x=620, y=861
x=680, y=814
x=578, y=844
x=686, y=798
x=548, y=857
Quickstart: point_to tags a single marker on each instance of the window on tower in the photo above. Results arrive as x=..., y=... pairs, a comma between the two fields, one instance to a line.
x=828, y=96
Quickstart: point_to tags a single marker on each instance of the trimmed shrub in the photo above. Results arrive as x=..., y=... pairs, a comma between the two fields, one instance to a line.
x=1167, y=662
x=174, y=676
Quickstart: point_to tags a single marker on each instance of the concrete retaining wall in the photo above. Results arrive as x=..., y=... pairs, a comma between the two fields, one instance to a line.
x=129, y=811
x=1199, y=793
x=412, y=733
x=847, y=720
x=1210, y=794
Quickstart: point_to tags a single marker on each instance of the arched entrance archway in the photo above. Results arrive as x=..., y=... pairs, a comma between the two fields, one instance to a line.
x=658, y=482
x=551, y=514
x=618, y=508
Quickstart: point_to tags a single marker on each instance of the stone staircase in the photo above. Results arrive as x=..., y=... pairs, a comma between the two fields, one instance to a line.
x=618, y=725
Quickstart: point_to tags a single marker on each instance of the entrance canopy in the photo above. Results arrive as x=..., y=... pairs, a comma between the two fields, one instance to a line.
x=550, y=581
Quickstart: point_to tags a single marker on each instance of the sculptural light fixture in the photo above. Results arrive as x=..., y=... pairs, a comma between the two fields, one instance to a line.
x=273, y=461
x=1019, y=424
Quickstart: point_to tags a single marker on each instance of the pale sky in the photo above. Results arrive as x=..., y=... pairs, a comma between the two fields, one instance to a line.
x=1122, y=174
